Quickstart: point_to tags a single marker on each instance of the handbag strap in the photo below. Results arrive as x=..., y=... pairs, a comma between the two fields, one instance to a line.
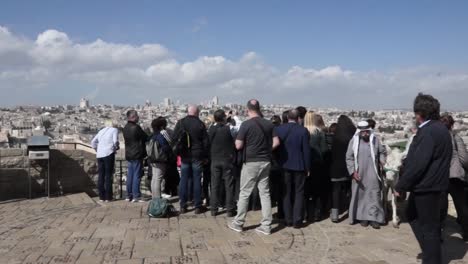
x=185, y=133
x=454, y=142
x=261, y=127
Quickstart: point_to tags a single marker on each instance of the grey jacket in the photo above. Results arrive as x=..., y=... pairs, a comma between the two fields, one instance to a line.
x=459, y=163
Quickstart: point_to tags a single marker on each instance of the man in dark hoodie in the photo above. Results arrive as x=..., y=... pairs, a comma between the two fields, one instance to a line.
x=426, y=176
x=135, y=151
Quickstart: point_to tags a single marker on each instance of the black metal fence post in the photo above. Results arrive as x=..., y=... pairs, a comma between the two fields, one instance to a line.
x=121, y=180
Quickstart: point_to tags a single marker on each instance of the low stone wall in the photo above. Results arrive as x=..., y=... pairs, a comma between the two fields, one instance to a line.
x=71, y=171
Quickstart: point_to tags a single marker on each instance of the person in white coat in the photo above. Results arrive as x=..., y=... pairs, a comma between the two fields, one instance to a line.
x=106, y=143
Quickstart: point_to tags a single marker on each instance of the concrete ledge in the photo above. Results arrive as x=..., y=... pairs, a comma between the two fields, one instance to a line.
x=12, y=152
x=16, y=161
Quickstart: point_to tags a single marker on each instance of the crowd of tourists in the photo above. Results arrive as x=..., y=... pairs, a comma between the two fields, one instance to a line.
x=294, y=162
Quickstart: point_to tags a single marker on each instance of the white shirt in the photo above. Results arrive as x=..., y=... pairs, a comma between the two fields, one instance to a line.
x=235, y=129
x=425, y=123
x=105, y=142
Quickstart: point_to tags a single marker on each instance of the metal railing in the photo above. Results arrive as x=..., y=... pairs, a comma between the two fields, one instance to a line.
x=121, y=176
x=75, y=144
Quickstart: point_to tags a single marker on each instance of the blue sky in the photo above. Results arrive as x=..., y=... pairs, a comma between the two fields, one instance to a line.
x=362, y=36
x=355, y=34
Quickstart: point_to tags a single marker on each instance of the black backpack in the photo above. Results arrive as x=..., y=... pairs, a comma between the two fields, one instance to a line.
x=182, y=143
x=155, y=152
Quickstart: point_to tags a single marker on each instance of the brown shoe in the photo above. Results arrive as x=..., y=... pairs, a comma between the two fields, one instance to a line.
x=199, y=210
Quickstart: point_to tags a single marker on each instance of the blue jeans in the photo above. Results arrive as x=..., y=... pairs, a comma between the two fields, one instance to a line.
x=194, y=171
x=135, y=169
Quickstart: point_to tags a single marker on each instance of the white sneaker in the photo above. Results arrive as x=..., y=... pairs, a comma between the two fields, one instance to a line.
x=235, y=227
x=263, y=230
x=166, y=196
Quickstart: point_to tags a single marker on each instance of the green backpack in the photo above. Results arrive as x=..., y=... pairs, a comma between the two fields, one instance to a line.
x=159, y=208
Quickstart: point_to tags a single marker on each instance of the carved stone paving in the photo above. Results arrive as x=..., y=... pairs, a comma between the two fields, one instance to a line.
x=71, y=229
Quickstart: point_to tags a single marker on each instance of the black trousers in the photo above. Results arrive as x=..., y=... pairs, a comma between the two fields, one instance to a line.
x=276, y=190
x=423, y=213
x=319, y=188
x=293, y=199
x=459, y=197
x=236, y=171
x=341, y=191
x=172, y=178
x=206, y=182
x=221, y=173
x=105, y=177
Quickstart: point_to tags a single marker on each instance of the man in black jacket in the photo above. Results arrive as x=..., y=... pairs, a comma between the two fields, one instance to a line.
x=426, y=176
x=222, y=156
x=135, y=151
x=194, y=154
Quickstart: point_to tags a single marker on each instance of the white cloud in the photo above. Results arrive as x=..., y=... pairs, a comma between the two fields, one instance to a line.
x=55, y=65
x=55, y=48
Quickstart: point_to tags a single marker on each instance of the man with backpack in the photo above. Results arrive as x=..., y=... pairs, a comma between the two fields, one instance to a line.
x=191, y=143
x=222, y=157
x=257, y=139
x=294, y=159
x=135, y=151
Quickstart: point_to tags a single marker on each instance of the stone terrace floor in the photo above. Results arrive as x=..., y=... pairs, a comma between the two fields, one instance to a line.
x=76, y=229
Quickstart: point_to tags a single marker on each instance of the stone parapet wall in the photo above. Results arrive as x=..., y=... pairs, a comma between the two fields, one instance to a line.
x=71, y=171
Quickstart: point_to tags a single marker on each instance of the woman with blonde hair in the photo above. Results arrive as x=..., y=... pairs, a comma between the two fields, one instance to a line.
x=319, y=123
x=208, y=122
x=317, y=185
x=206, y=179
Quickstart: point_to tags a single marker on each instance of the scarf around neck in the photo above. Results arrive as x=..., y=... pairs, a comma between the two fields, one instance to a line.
x=356, y=142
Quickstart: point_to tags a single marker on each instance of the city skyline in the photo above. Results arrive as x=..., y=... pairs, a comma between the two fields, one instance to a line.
x=85, y=103
x=361, y=56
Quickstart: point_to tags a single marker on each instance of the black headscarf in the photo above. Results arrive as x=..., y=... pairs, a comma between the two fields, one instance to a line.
x=345, y=130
